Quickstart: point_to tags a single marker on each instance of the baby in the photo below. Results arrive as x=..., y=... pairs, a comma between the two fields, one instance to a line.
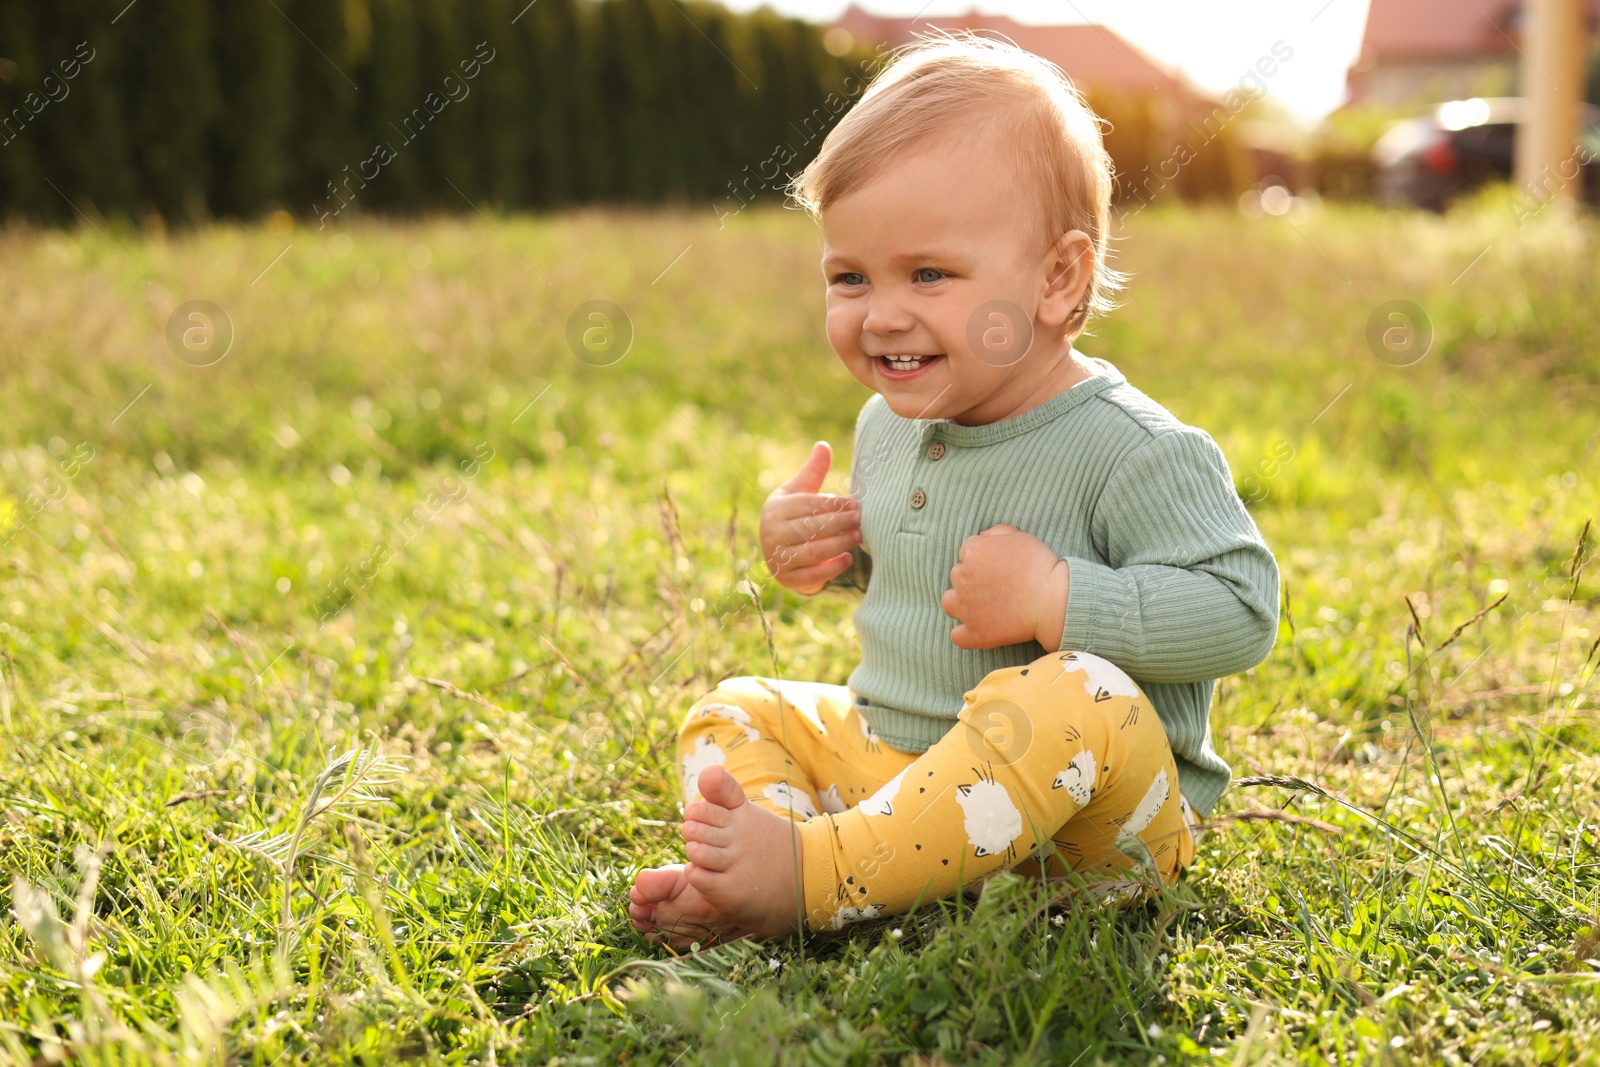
x=1056, y=569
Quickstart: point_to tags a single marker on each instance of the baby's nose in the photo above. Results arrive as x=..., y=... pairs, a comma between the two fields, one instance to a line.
x=885, y=315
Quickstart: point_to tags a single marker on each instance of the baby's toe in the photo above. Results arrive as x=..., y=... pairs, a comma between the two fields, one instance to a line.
x=655, y=884
x=706, y=834
x=720, y=787
x=711, y=857
x=707, y=812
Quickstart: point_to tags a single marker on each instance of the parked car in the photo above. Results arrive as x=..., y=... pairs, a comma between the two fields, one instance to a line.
x=1463, y=144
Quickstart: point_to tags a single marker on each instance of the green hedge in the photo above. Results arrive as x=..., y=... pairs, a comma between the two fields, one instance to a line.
x=197, y=108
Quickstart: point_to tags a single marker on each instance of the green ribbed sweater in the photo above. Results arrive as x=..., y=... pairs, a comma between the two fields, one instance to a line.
x=1170, y=578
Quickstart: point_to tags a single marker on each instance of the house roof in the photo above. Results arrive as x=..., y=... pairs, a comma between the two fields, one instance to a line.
x=1445, y=29
x=1091, y=56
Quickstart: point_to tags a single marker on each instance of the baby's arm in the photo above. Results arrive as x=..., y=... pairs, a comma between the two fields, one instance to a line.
x=1188, y=591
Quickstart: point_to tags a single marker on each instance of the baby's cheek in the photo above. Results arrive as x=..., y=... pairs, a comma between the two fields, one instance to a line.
x=844, y=330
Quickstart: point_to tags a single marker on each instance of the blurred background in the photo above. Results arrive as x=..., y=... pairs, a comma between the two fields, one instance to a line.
x=176, y=111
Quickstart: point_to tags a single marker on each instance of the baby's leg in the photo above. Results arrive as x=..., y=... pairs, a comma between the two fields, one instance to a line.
x=1036, y=749
x=794, y=748
x=777, y=738
x=1144, y=804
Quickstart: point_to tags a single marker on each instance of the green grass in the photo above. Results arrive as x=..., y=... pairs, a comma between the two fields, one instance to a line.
x=518, y=645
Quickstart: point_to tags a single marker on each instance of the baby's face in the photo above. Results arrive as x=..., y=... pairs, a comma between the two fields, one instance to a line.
x=915, y=260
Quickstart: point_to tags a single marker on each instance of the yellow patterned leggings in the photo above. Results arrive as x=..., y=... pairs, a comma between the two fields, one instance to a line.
x=1054, y=767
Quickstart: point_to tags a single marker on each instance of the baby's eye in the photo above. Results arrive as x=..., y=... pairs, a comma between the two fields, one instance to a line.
x=929, y=275
x=850, y=277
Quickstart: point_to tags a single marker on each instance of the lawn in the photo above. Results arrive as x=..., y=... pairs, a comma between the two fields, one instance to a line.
x=341, y=674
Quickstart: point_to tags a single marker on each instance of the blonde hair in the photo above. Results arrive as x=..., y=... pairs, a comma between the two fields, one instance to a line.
x=946, y=84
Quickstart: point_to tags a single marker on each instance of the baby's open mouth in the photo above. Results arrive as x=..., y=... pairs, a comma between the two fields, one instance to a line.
x=905, y=363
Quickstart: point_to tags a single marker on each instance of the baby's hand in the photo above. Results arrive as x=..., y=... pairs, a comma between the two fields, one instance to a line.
x=805, y=535
x=1006, y=588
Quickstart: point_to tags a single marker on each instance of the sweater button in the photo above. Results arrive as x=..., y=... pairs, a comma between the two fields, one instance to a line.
x=936, y=450
x=918, y=498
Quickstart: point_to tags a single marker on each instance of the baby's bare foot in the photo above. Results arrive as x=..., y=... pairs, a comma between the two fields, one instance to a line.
x=665, y=907
x=743, y=860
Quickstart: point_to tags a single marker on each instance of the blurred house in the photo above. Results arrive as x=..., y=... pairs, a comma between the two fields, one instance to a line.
x=1433, y=50
x=1152, y=109
x=1094, y=57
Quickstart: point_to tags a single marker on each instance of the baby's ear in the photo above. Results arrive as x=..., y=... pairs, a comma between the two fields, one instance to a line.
x=1069, y=265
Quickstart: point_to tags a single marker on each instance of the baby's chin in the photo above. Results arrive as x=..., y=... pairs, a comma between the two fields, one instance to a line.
x=910, y=406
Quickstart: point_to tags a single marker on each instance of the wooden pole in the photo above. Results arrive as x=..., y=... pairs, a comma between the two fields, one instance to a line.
x=1551, y=80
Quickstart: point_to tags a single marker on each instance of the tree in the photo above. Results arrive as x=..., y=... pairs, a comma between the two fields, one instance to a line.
x=392, y=89
x=171, y=95
x=22, y=184
x=250, y=147
x=503, y=107
x=556, y=81
x=332, y=42
x=439, y=116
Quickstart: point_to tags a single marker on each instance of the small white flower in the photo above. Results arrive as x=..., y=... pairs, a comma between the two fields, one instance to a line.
x=896, y=932
x=1153, y=1031
x=773, y=964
